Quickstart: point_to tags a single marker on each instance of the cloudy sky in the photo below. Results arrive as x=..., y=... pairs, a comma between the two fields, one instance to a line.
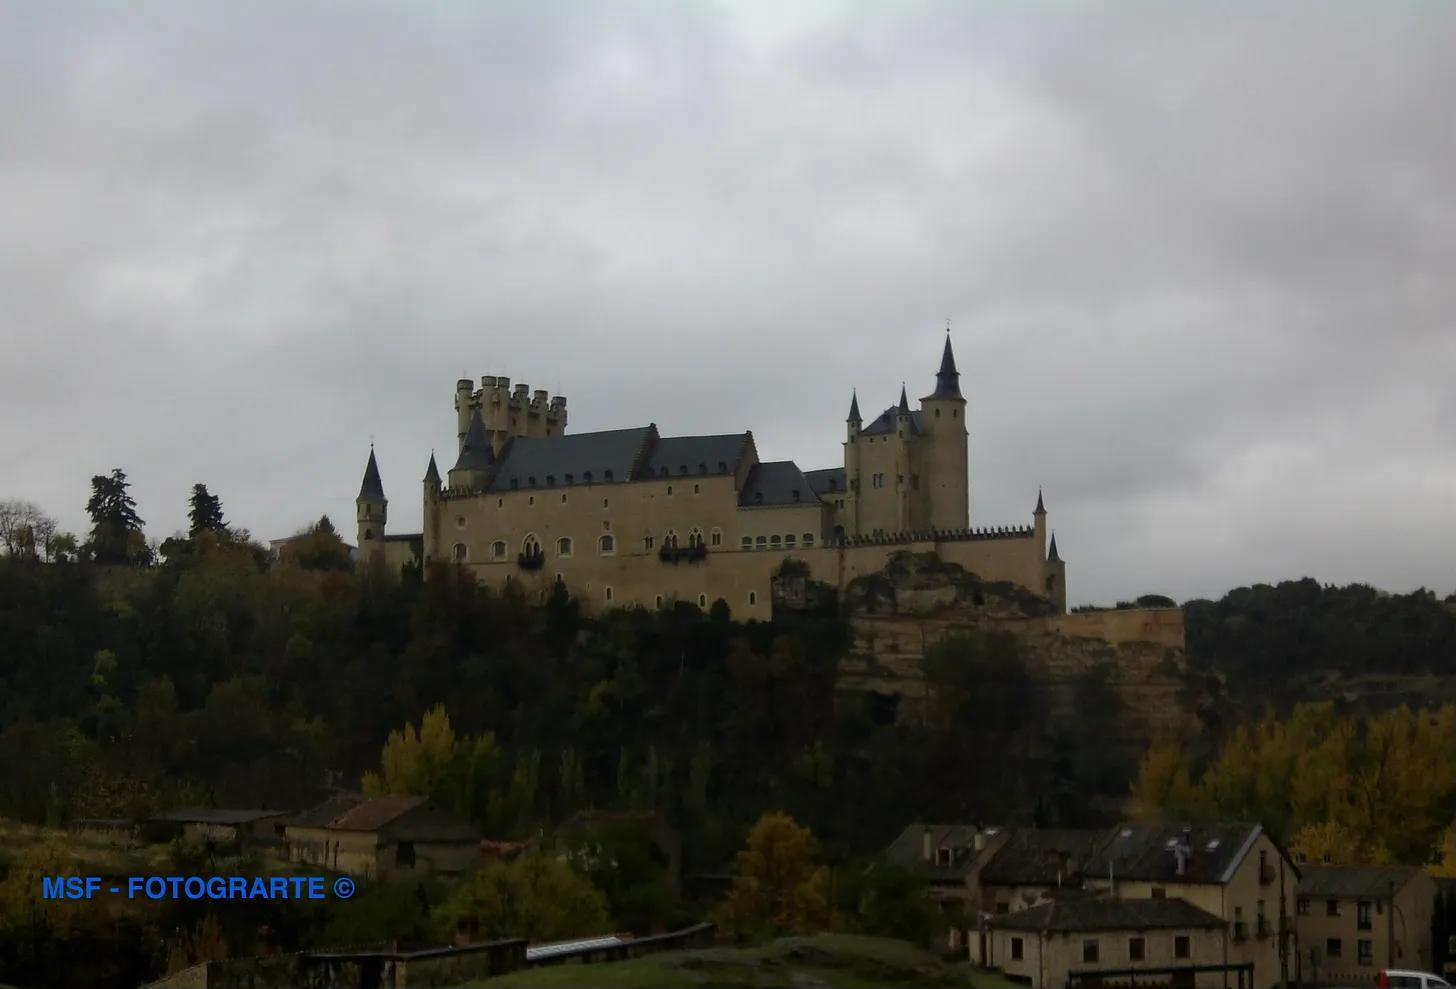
x=1200, y=268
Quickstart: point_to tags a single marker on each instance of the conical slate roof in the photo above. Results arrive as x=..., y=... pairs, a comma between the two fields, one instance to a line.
x=372, y=489
x=854, y=408
x=1052, y=556
x=477, y=453
x=432, y=473
x=904, y=402
x=947, y=379
x=1040, y=508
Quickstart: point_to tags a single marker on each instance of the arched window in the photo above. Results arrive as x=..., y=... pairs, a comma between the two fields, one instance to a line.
x=659, y=600
x=531, y=546
x=717, y=537
x=695, y=538
x=368, y=533
x=753, y=597
x=808, y=539
x=607, y=545
x=747, y=542
x=702, y=600
x=609, y=594
x=497, y=549
x=789, y=541
x=839, y=532
x=460, y=552
x=669, y=541
x=762, y=542
x=608, y=475
x=775, y=542
x=563, y=546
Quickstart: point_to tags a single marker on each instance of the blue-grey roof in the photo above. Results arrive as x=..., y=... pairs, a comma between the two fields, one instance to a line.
x=823, y=482
x=681, y=456
x=372, y=488
x=581, y=458
x=947, y=379
x=886, y=421
x=476, y=453
x=432, y=473
x=777, y=483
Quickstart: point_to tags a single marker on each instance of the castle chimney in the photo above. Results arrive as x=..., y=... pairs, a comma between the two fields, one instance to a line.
x=539, y=397
x=979, y=841
x=1181, y=854
x=927, y=847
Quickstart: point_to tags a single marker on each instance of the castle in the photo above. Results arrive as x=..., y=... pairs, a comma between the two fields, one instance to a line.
x=630, y=517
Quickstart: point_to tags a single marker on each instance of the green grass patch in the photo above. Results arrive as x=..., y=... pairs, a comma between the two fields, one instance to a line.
x=840, y=961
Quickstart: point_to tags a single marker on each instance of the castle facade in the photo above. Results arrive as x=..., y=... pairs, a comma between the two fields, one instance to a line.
x=631, y=517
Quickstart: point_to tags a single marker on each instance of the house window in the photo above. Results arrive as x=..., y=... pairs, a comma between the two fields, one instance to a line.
x=1302, y=906
x=1136, y=949
x=1018, y=949
x=1332, y=947
x=717, y=537
x=563, y=546
x=747, y=542
x=497, y=549
x=942, y=856
x=753, y=597
x=1332, y=908
x=659, y=600
x=609, y=594
x=695, y=538
x=1181, y=946
x=1362, y=915
x=460, y=552
x=669, y=490
x=702, y=600
x=1365, y=950
x=607, y=545
x=775, y=540
x=761, y=542
x=649, y=542
x=404, y=854
x=1089, y=950
x=789, y=541
x=696, y=489
x=808, y=540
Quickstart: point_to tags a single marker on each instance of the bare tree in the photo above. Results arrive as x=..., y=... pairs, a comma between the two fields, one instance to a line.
x=24, y=528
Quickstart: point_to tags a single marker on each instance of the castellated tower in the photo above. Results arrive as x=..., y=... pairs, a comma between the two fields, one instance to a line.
x=507, y=413
x=372, y=512
x=945, y=450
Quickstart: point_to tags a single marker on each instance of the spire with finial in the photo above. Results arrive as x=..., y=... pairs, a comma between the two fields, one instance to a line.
x=1052, y=556
x=1040, y=508
x=854, y=407
x=904, y=401
x=476, y=453
x=432, y=473
x=373, y=488
x=947, y=379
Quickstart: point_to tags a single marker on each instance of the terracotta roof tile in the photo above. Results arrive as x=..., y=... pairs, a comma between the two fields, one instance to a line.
x=374, y=813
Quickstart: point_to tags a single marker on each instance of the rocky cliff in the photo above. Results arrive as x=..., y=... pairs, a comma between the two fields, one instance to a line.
x=918, y=600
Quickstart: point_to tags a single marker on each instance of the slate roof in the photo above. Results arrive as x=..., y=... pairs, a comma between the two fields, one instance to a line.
x=1359, y=882
x=432, y=473
x=947, y=379
x=681, y=456
x=779, y=482
x=1042, y=856
x=372, y=487
x=476, y=453
x=1143, y=853
x=886, y=421
x=826, y=481
x=908, y=850
x=211, y=815
x=1075, y=915
x=574, y=458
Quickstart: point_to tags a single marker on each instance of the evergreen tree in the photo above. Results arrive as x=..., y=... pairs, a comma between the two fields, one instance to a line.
x=206, y=512
x=116, y=529
x=324, y=525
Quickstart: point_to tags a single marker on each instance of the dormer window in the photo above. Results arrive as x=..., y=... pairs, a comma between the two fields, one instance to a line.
x=608, y=475
x=531, y=481
x=515, y=484
x=551, y=480
x=570, y=478
x=758, y=497
x=586, y=476
x=665, y=472
x=702, y=468
x=722, y=467
x=796, y=494
x=682, y=469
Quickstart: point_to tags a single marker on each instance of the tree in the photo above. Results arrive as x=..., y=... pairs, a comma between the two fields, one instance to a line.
x=1164, y=785
x=206, y=512
x=778, y=887
x=432, y=762
x=535, y=897
x=1331, y=843
x=116, y=529
x=25, y=530
x=892, y=903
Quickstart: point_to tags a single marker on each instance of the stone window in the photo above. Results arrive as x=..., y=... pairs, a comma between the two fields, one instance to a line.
x=937, y=413
x=669, y=490
x=609, y=594
x=563, y=497
x=659, y=600
x=697, y=489
x=604, y=503
x=1136, y=946
x=500, y=503
x=774, y=541
x=368, y=533
x=702, y=600
x=1089, y=950
x=752, y=598
x=563, y=546
x=460, y=552
x=531, y=546
x=789, y=541
x=1018, y=949
x=460, y=522
x=747, y=542
x=761, y=542
x=607, y=545
x=531, y=500
x=1182, y=948
x=695, y=538
x=497, y=549
x=717, y=537
x=669, y=540
x=808, y=540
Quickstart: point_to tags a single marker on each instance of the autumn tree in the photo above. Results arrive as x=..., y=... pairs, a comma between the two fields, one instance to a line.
x=536, y=897
x=116, y=529
x=778, y=886
x=1164, y=784
x=432, y=762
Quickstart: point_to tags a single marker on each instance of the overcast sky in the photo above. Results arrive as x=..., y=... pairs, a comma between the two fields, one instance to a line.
x=1200, y=268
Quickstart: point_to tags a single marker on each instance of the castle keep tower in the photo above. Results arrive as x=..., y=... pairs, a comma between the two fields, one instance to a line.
x=372, y=512
x=947, y=461
x=507, y=413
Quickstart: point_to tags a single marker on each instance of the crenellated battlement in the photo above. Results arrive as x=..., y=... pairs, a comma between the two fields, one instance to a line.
x=508, y=411
x=939, y=536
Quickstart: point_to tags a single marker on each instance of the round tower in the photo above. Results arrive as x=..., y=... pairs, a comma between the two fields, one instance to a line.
x=464, y=396
x=432, y=510
x=849, y=518
x=947, y=460
x=372, y=512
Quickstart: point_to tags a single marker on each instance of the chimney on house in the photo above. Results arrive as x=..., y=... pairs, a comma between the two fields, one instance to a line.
x=1183, y=848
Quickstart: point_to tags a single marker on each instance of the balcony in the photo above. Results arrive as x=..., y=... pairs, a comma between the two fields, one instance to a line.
x=530, y=561
x=690, y=554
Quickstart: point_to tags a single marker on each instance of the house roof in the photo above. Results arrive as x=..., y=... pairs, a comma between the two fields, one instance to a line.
x=1042, y=857
x=683, y=456
x=826, y=481
x=1145, y=852
x=476, y=453
x=371, y=488
x=217, y=815
x=778, y=482
x=329, y=810
x=1088, y=914
x=886, y=422
x=374, y=813
x=573, y=458
x=1357, y=882
x=908, y=850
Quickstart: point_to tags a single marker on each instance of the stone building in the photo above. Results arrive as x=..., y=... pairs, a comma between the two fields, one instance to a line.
x=1359, y=919
x=631, y=517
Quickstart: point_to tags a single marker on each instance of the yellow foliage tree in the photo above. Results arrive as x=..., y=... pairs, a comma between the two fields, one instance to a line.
x=1332, y=843
x=1164, y=784
x=25, y=905
x=778, y=888
x=432, y=762
x=535, y=897
x=1443, y=860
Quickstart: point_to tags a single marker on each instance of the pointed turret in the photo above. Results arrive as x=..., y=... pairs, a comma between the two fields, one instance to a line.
x=372, y=489
x=854, y=407
x=1040, y=507
x=1052, y=556
x=904, y=409
x=947, y=379
x=432, y=473
x=476, y=453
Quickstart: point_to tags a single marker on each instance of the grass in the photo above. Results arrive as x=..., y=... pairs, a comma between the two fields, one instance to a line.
x=841, y=961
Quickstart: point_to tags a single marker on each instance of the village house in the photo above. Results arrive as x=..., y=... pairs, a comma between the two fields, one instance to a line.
x=1357, y=920
x=221, y=826
x=1084, y=939
x=384, y=838
x=1236, y=872
x=949, y=858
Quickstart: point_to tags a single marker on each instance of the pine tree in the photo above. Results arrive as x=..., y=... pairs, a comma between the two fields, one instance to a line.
x=206, y=513
x=324, y=525
x=116, y=529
